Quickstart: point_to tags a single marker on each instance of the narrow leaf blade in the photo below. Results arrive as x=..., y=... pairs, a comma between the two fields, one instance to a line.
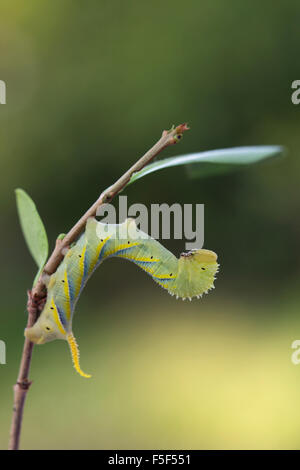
x=32, y=227
x=214, y=161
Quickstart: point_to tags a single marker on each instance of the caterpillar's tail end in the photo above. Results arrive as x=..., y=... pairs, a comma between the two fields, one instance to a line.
x=75, y=355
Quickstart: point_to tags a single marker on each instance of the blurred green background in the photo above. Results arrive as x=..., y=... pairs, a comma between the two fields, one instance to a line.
x=90, y=86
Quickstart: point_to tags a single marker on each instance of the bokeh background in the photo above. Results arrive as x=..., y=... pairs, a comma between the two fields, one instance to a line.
x=90, y=86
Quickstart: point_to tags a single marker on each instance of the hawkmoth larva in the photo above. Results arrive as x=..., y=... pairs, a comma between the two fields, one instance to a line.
x=189, y=276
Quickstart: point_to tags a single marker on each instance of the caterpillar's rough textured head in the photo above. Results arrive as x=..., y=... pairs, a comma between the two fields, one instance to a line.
x=44, y=330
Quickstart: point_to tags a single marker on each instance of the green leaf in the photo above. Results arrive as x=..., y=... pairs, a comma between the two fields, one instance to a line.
x=211, y=162
x=61, y=236
x=33, y=228
x=37, y=276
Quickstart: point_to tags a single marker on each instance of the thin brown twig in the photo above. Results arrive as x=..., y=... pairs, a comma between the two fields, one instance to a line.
x=36, y=297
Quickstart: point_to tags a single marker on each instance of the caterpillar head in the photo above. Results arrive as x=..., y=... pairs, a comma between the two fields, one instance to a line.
x=44, y=330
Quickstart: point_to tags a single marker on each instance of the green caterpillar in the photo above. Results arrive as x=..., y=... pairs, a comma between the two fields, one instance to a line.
x=189, y=276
